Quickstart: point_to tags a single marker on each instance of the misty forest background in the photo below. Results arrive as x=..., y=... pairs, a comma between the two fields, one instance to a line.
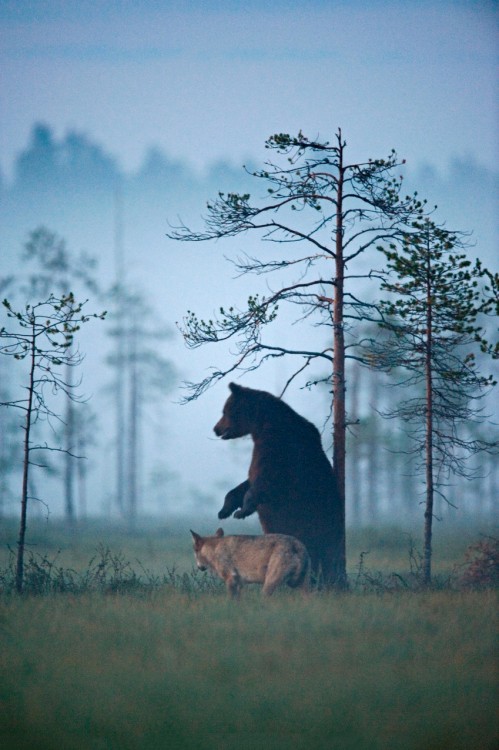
x=144, y=453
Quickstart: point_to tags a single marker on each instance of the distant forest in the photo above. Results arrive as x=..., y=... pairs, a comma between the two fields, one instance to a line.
x=75, y=167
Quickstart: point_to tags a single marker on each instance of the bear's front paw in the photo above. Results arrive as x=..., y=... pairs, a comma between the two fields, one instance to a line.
x=223, y=513
x=240, y=514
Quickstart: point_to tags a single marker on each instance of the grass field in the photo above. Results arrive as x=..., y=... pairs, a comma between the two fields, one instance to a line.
x=168, y=662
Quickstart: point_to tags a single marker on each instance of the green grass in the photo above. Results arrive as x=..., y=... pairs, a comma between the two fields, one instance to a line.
x=173, y=671
x=154, y=546
x=165, y=665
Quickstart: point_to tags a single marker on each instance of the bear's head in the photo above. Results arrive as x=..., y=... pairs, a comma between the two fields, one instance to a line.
x=236, y=420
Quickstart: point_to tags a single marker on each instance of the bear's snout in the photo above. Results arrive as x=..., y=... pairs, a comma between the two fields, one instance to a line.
x=221, y=430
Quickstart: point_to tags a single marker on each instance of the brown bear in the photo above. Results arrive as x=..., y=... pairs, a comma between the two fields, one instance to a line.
x=291, y=483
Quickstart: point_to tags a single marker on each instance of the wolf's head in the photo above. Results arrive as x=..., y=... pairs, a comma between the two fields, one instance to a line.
x=202, y=561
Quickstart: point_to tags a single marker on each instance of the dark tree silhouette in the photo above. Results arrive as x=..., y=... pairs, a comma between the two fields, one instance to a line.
x=74, y=164
x=39, y=164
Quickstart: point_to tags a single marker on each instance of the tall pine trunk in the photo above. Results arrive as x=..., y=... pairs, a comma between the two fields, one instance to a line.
x=133, y=419
x=354, y=495
x=428, y=516
x=339, y=410
x=26, y=456
x=119, y=259
x=372, y=455
x=69, y=467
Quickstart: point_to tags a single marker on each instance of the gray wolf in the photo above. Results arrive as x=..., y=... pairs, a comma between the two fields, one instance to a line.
x=272, y=560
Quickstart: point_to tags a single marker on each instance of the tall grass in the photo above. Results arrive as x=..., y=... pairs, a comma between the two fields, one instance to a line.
x=174, y=670
x=157, y=547
x=149, y=655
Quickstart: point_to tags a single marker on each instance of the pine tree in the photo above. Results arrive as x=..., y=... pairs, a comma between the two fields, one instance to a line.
x=324, y=213
x=437, y=332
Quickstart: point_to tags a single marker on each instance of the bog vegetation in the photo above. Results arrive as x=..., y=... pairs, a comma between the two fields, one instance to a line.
x=119, y=643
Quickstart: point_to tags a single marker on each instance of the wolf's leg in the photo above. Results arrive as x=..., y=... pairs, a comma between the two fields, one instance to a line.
x=233, y=584
x=234, y=499
x=275, y=574
x=300, y=578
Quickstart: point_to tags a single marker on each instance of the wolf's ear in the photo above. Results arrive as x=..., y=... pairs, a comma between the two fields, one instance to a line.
x=235, y=388
x=219, y=532
x=195, y=536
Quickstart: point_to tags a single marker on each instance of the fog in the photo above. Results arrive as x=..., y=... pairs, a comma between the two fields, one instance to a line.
x=119, y=122
x=72, y=187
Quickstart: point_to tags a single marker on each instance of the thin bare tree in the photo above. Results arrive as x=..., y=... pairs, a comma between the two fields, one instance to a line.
x=53, y=269
x=45, y=344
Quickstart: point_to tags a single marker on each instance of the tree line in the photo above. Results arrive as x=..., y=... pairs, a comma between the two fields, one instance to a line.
x=75, y=164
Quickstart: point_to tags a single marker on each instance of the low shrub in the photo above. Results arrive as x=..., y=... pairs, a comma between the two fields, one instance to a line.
x=107, y=572
x=481, y=566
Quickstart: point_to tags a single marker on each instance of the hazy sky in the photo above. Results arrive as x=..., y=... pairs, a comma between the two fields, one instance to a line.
x=209, y=80
x=212, y=80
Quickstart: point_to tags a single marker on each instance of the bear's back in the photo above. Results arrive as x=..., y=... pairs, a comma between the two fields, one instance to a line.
x=288, y=448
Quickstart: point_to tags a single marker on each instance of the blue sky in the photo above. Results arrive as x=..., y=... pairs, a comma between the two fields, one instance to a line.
x=207, y=81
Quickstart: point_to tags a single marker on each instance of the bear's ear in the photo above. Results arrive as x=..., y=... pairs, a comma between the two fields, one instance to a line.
x=235, y=388
x=219, y=532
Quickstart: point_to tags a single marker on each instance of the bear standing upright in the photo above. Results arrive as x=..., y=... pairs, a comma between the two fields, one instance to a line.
x=291, y=483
